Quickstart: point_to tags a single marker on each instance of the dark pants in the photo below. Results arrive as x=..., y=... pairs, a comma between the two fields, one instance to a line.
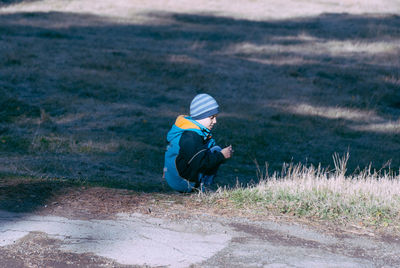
x=207, y=180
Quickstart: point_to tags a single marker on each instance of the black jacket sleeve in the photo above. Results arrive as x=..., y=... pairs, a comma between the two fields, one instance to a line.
x=195, y=157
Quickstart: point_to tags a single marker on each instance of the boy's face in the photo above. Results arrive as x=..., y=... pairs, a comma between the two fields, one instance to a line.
x=211, y=121
x=208, y=122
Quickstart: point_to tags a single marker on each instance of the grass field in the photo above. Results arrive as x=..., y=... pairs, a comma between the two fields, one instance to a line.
x=89, y=89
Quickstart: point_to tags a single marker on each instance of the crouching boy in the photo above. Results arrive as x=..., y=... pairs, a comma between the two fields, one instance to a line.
x=192, y=157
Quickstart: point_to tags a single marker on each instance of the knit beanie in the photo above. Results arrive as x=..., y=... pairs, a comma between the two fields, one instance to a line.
x=203, y=106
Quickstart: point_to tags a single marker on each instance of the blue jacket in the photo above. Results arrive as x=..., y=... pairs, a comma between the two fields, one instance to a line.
x=182, y=165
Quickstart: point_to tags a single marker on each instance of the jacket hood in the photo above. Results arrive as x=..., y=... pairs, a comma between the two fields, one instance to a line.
x=185, y=123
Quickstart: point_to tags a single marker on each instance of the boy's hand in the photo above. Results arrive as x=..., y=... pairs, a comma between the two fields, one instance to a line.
x=227, y=152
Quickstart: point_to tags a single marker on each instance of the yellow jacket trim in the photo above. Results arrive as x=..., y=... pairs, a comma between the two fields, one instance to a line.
x=184, y=123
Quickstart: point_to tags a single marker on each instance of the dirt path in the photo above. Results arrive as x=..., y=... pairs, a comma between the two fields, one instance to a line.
x=99, y=227
x=38, y=241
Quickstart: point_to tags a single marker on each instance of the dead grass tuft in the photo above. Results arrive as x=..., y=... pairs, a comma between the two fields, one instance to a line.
x=369, y=197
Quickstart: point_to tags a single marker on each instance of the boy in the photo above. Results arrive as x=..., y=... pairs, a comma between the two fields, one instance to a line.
x=192, y=157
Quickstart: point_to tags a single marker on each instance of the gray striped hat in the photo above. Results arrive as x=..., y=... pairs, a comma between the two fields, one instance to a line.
x=203, y=106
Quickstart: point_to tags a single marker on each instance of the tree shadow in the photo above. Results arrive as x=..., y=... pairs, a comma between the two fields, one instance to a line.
x=4, y=3
x=108, y=92
x=28, y=195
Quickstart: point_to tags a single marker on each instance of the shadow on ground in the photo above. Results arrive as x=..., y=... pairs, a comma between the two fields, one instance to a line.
x=28, y=195
x=90, y=99
x=4, y=3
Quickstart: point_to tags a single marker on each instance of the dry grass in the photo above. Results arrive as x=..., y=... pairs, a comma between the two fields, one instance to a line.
x=368, y=197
